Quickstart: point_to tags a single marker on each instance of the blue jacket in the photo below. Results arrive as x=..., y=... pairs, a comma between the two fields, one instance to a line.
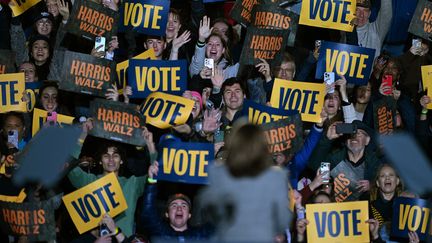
x=301, y=158
x=403, y=11
x=160, y=229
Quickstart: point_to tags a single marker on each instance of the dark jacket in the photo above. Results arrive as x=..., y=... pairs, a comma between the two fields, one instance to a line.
x=299, y=162
x=323, y=152
x=159, y=228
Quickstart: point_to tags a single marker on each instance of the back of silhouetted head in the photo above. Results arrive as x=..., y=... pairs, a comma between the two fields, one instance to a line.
x=248, y=154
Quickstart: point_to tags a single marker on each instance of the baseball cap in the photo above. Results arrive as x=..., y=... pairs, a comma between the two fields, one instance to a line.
x=43, y=15
x=364, y=127
x=364, y=3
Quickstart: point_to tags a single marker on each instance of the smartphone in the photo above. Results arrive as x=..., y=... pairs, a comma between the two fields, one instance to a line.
x=103, y=230
x=52, y=118
x=219, y=136
x=325, y=168
x=346, y=128
x=317, y=44
x=417, y=43
x=387, y=80
x=329, y=78
x=208, y=62
x=13, y=138
x=100, y=41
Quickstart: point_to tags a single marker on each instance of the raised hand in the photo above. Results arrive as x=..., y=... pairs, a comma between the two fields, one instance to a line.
x=264, y=69
x=179, y=41
x=63, y=7
x=113, y=44
x=148, y=136
x=424, y=101
x=112, y=4
x=153, y=170
x=218, y=78
x=211, y=120
x=331, y=132
x=127, y=92
x=204, y=29
x=98, y=52
x=112, y=94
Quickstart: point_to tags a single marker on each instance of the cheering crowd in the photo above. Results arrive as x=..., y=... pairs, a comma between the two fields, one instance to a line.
x=250, y=190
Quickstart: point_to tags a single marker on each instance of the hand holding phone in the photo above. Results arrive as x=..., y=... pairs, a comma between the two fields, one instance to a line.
x=329, y=79
x=387, y=85
x=325, y=168
x=208, y=62
x=100, y=45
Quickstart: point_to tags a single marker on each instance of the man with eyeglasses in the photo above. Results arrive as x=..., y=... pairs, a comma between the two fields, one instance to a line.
x=352, y=166
x=44, y=23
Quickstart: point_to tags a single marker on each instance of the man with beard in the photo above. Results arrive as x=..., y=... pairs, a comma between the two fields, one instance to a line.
x=352, y=166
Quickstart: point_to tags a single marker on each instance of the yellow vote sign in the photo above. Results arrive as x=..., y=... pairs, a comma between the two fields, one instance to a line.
x=40, y=117
x=122, y=68
x=331, y=14
x=88, y=205
x=20, y=6
x=12, y=87
x=338, y=222
x=164, y=110
x=427, y=81
x=307, y=98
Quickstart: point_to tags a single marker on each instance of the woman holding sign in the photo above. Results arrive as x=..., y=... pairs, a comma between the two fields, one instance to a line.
x=247, y=195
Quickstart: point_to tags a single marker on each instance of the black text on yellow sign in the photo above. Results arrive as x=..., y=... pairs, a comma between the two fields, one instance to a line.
x=164, y=110
x=260, y=117
x=307, y=98
x=12, y=87
x=333, y=14
x=87, y=205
